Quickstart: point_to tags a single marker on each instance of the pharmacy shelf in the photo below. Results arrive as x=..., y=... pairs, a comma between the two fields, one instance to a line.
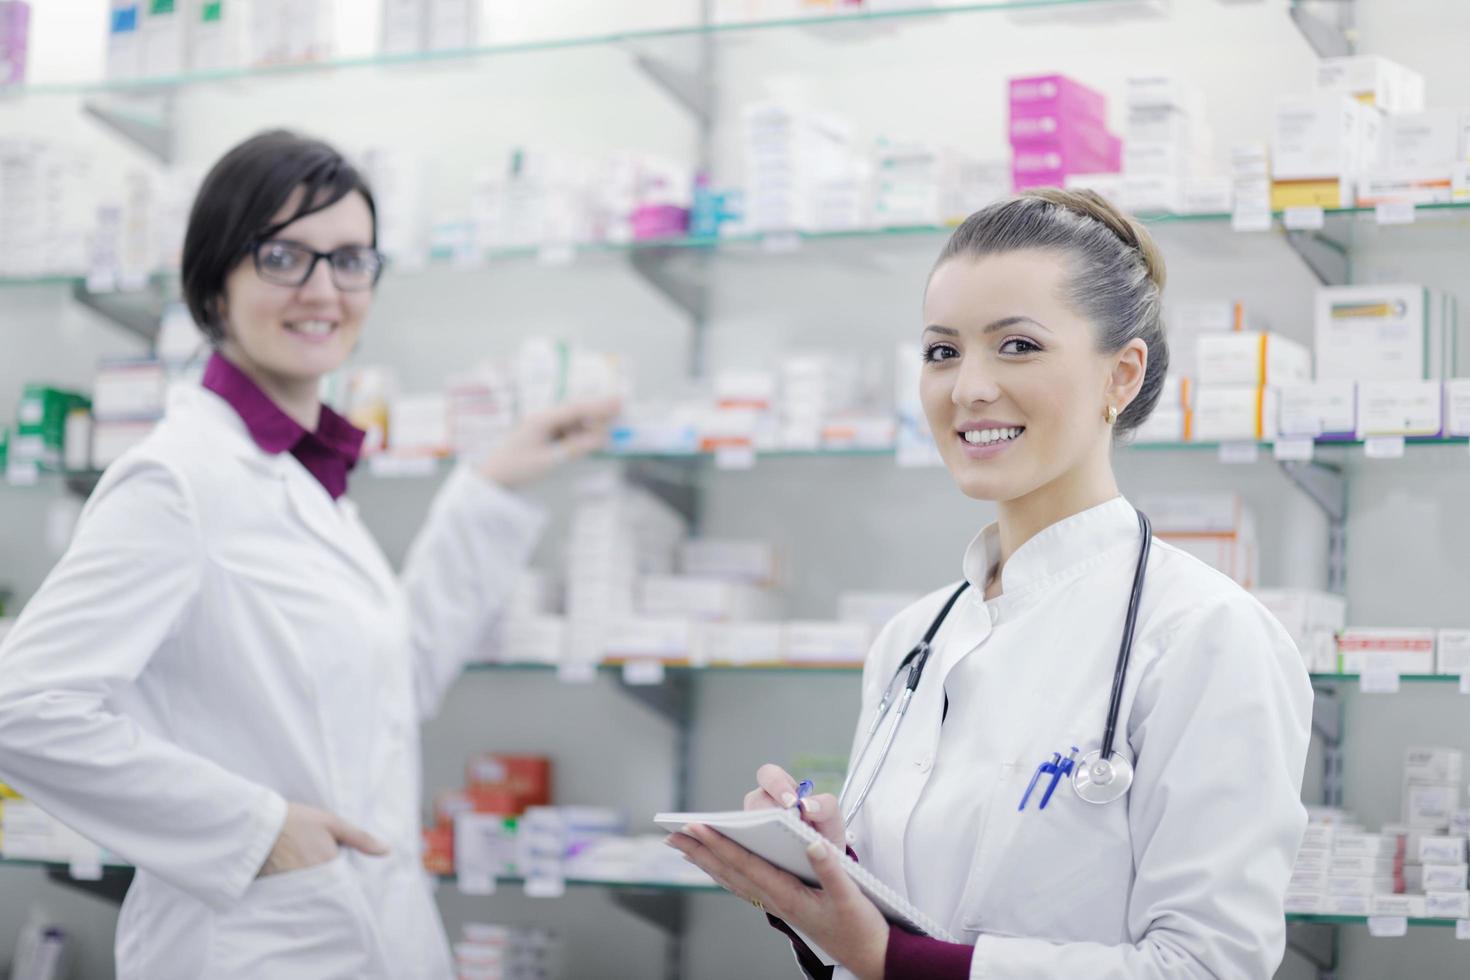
x=1356, y=920
x=775, y=243
x=615, y=39
x=818, y=669
x=679, y=887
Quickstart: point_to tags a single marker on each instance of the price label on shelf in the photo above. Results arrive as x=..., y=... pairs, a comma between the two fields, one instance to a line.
x=1462, y=929
x=1394, y=212
x=735, y=458
x=544, y=879
x=23, y=474
x=556, y=255
x=101, y=281
x=643, y=673
x=1388, y=926
x=1384, y=447
x=1379, y=680
x=1304, y=219
x=86, y=868
x=1239, y=452
x=1295, y=448
x=472, y=882
x=576, y=673
x=781, y=242
x=1465, y=683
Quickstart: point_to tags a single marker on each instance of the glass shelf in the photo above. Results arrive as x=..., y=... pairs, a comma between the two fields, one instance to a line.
x=1358, y=920
x=676, y=887
x=612, y=39
x=779, y=244
x=684, y=666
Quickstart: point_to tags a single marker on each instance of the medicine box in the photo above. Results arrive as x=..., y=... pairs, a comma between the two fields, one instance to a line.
x=1433, y=764
x=1056, y=95
x=1250, y=358
x=1442, y=850
x=1384, y=333
x=1304, y=611
x=1453, y=652
x=1404, y=906
x=1400, y=408
x=1320, y=409
x=1234, y=413
x=1447, y=904
x=826, y=642
x=1372, y=80
x=1457, y=407
x=1409, y=651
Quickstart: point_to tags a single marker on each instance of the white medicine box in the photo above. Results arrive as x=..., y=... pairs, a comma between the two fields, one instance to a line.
x=1384, y=333
x=1374, y=81
x=1250, y=358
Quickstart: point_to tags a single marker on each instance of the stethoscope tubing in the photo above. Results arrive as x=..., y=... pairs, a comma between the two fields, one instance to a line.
x=917, y=659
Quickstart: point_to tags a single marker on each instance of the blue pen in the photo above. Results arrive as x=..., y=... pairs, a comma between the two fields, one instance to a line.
x=803, y=790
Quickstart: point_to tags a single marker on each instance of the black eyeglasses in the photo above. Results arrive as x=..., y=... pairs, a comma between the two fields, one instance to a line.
x=354, y=267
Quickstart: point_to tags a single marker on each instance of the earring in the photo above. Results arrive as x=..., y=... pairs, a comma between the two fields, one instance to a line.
x=1112, y=414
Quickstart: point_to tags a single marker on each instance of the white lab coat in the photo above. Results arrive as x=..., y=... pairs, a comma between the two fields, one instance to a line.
x=222, y=638
x=1184, y=878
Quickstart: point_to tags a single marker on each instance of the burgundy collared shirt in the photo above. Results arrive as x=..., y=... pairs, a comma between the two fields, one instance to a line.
x=329, y=453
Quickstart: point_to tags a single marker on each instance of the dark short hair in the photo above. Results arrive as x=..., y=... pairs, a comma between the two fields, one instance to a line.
x=240, y=197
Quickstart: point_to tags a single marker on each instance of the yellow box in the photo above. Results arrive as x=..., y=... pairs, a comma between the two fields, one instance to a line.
x=1325, y=194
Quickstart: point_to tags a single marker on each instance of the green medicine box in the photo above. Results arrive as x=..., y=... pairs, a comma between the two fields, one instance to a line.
x=40, y=431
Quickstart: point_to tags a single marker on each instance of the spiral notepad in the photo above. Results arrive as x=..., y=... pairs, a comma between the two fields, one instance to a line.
x=782, y=838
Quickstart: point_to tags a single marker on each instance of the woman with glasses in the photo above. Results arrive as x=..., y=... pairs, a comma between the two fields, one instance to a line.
x=222, y=680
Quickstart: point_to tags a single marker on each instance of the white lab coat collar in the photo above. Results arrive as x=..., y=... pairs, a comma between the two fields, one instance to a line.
x=1063, y=549
x=334, y=521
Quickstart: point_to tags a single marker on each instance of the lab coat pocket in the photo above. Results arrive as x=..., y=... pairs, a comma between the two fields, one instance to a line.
x=310, y=923
x=1037, y=869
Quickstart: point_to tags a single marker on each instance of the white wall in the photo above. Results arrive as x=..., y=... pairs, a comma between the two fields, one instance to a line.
x=848, y=523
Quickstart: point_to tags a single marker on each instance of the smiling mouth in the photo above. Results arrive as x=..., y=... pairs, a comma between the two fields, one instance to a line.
x=992, y=437
x=312, y=328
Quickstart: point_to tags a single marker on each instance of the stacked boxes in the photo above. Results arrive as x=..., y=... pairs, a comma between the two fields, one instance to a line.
x=1058, y=127
x=1217, y=528
x=1404, y=651
x=1434, y=827
x=1168, y=145
x=1312, y=619
x=799, y=169
x=493, y=952
x=919, y=184
x=1240, y=375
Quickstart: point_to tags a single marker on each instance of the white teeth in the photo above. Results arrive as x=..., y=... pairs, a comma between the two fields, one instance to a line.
x=984, y=437
x=313, y=328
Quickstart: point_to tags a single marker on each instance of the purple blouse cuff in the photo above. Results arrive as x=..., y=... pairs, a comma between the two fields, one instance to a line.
x=810, y=963
x=913, y=957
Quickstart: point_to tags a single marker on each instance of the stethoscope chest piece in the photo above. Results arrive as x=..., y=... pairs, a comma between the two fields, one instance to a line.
x=1101, y=781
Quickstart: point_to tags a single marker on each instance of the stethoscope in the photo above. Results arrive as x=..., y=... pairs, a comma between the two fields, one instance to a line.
x=1102, y=776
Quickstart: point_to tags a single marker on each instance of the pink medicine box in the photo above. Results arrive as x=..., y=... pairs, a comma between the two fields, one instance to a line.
x=1057, y=96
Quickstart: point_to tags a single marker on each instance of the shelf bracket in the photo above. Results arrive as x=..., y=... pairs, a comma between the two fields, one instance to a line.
x=686, y=292
x=670, y=700
x=662, y=908
x=672, y=481
x=111, y=887
x=138, y=312
x=1327, y=723
x=145, y=120
x=1315, y=942
x=690, y=89
x=1327, y=258
x=1330, y=37
x=1327, y=487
